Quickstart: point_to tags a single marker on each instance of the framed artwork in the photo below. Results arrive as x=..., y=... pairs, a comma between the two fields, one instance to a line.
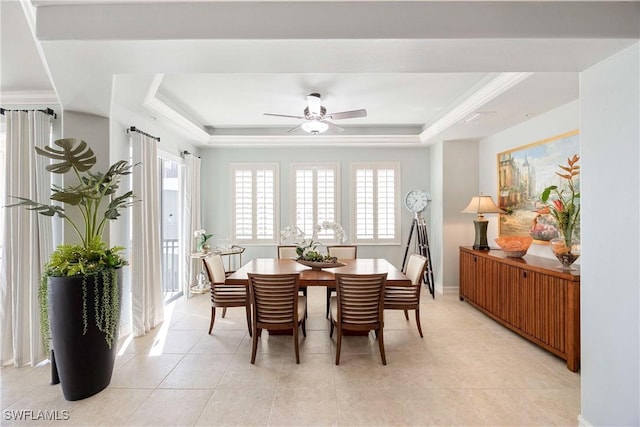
x=523, y=173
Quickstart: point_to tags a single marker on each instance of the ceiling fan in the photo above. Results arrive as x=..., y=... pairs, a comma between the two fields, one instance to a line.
x=315, y=116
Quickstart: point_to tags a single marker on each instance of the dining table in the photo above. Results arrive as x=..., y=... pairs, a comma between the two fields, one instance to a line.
x=318, y=277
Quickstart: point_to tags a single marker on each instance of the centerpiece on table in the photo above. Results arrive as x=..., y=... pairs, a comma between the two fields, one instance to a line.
x=309, y=256
x=563, y=203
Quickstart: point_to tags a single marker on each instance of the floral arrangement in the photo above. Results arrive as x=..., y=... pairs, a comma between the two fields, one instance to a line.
x=308, y=251
x=564, y=203
x=295, y=235
x=292, y=234
x=338, y=231
x=201, y=238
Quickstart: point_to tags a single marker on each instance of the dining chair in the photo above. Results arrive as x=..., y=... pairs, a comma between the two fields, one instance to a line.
x=225, y=295
x=287, y=252
x=408, y=297
x=277, y=306
x=340, y=252
x=359, y=306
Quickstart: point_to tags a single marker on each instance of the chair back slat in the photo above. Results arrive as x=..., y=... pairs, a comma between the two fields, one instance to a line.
x=360, y=298
x=274, y=297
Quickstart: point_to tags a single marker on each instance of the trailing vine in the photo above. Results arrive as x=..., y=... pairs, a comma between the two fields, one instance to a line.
x=107, y=304
x=97, y=265
x=43, y=292
x=85, y=317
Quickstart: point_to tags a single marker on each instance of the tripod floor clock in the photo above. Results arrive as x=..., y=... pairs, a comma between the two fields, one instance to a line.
x=417, y=201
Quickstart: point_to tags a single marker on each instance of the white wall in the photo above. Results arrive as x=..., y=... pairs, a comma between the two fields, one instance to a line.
x=436, y=219
x=216, y=198
x=555, y=122
x=460, y=183
x=610, y=291
x=94, y=130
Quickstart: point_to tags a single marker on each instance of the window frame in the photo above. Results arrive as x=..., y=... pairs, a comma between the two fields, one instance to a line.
x=314, y=167
x=375, y=166
x=254, y=168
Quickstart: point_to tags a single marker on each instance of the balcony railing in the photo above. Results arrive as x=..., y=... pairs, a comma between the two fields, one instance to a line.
x=170, y=265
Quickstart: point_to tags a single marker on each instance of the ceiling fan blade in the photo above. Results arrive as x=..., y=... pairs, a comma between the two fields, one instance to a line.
x=348, y=114
x=313, y=101
x=333, y=127
x=295, y=129
x=284, y=115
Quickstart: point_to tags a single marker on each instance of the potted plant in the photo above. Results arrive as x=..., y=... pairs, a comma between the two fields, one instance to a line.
x=80, y=290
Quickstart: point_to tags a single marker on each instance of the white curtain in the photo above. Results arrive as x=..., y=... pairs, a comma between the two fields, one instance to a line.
x=192, y=219
x=27, y=240
x=146, y=270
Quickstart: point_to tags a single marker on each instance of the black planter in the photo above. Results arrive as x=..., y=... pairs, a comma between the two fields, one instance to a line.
x=84, y=361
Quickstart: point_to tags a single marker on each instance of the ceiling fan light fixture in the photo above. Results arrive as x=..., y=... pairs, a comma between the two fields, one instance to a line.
x=315, y=127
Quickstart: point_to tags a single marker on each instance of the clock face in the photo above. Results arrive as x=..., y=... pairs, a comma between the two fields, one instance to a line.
x=417, y=200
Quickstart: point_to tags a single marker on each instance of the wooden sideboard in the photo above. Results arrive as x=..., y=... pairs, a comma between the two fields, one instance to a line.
x=529, y=295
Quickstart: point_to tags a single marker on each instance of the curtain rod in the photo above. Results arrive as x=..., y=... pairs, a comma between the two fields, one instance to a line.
x=48, y=111
x=185, y=153
x=134, y=129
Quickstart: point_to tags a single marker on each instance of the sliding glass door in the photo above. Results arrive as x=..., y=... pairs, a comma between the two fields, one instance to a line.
x=171, y=202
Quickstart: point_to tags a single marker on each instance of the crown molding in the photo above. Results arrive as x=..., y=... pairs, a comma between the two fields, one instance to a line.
x=488, y=92
x=315, y=140
x=28, y=97
x=153, y=102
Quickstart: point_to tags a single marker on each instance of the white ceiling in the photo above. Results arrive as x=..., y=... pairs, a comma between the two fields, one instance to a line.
x=211, y=69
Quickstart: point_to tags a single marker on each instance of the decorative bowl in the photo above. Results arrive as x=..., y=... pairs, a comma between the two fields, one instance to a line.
x=514, y=246
x=319, y=265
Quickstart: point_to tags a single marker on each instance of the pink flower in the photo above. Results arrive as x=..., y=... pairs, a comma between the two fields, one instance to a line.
x=559, y=205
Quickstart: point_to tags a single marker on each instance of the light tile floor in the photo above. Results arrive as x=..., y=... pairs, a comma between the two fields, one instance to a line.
x=467, y=370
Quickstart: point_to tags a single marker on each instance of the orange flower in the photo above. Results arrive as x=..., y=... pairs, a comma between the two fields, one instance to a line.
x=543, y=210
x=565, y=206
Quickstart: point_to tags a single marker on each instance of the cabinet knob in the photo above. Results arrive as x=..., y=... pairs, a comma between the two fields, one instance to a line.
x=524, y=274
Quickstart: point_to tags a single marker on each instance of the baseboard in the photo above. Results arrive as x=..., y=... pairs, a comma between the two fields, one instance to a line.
x=582, y=422
x=448, y=289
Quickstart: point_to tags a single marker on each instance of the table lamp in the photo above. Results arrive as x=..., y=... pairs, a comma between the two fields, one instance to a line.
x=481, y=205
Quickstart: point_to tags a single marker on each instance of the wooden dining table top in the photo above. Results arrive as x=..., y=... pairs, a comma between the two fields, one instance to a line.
x=324, y=277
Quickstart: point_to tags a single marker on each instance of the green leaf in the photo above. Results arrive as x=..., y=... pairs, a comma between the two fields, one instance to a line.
x=547, y=191
x=42, y=209
x=80, y=157
x=118, y=203
x=73, y=198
